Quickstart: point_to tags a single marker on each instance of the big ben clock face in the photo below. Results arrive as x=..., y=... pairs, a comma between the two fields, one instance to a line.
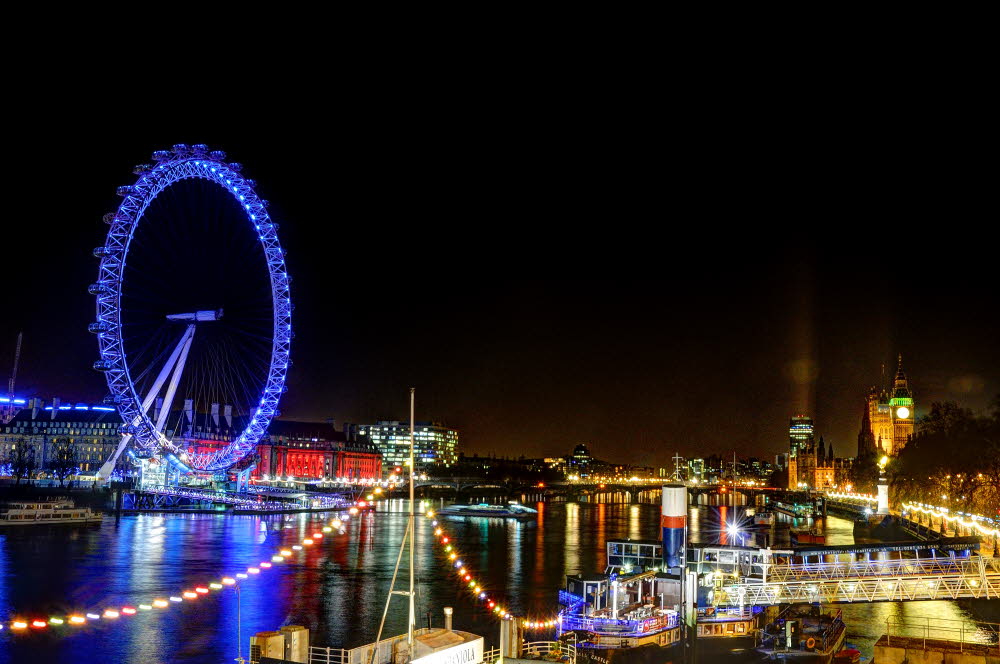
x=902, y=412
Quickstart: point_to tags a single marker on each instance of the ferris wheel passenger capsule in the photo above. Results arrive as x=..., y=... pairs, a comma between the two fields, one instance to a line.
x=250, y=182
x=161, y=155
x=139, y=169
x=236, y=166
x=199, y=148
x=109, y=218
x=179, y=148
x=104, y=365
x=105, y=251
x=125, y=190
x=100, y=288
x=217, y=155
x=99, y=326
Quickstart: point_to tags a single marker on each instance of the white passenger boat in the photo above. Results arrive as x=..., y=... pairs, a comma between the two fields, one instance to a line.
x=46, y=513
x=763, y=519
x=513, y=510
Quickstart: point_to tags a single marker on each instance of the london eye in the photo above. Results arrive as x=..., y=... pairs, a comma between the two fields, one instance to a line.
x=193, y=313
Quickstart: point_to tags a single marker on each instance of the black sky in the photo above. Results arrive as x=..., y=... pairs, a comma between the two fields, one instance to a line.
x=546, y=278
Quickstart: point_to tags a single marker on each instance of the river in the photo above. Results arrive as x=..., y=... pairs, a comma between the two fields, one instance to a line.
x=336, y=588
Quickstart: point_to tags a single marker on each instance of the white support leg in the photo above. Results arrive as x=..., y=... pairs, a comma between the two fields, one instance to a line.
x=105, y=472
x=168, y=400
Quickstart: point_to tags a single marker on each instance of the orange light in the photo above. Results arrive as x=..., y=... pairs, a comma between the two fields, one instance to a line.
x=253, y=570
x=110, y=613
x=317, y=536
x=77, y=620
x=18, y=625
x=160, y=603
x=307, y=542
x=228, y=581
x=187, y=594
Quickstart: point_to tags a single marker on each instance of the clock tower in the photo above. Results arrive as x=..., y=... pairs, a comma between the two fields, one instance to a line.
x=901, y=410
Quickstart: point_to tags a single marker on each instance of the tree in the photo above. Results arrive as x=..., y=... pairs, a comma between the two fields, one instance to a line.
x=22, y=460
x=864, y=474
x=64, y=462
x=953, y=460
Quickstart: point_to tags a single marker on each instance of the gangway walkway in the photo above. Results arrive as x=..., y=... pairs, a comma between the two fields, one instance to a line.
x=943, y=566
x=160, y=496
x=867, y=581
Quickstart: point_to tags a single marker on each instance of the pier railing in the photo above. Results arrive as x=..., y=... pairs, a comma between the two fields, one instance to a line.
x=937, y=630
x=566, y=651
x=619, y=627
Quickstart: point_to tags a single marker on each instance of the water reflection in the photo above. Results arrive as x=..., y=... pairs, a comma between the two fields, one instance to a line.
x=337, y=589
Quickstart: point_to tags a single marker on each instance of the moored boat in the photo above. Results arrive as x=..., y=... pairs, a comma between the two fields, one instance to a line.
x=621, y=618
x=763, y=519
x=56, y=512
x=804, y=633
x=807, y=536
x=513, y=510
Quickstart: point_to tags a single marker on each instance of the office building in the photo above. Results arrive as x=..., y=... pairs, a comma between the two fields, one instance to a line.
x=435, y=445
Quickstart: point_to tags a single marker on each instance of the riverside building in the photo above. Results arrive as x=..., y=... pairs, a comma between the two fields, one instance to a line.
x=435, y=445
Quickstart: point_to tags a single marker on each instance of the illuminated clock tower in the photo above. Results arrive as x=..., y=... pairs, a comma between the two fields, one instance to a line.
x=901, y=409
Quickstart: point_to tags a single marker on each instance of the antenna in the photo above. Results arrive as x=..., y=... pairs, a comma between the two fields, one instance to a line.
x=677, y=467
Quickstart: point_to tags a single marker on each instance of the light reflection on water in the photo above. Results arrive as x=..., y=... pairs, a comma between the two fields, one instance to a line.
x=338, y=589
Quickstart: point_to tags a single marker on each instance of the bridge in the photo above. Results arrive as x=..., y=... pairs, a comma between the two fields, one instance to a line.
x=702, y=494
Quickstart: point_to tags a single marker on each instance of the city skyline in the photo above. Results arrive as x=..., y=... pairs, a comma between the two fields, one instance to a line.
x=547, y=335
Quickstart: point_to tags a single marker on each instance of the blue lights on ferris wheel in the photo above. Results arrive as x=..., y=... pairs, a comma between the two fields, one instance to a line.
x=180, y=163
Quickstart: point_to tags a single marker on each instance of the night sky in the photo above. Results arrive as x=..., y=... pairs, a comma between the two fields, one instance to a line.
x=545, y=281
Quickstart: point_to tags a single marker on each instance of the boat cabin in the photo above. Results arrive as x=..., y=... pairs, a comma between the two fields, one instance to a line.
x=629, y=555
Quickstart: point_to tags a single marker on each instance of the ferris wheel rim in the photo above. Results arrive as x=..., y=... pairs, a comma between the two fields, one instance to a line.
x=185, y=163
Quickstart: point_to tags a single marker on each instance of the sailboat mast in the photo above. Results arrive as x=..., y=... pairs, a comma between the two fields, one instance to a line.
x=412, y=523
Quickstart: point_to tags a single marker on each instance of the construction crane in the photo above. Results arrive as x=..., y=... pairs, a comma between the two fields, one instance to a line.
x=10, y=410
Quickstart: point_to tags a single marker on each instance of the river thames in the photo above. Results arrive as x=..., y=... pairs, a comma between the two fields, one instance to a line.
x=337, y=588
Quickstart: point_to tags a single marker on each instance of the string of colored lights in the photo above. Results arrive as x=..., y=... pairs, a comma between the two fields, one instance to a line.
x=22, y=624
x=465, y=576
x=943, y=513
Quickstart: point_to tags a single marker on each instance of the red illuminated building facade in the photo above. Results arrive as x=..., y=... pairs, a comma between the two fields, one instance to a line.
x=307, y=450
x=299, y=450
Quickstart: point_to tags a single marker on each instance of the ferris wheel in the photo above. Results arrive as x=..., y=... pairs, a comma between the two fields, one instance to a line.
x=193, y=312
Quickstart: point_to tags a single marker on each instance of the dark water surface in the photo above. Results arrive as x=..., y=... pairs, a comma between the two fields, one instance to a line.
x=337, y=588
